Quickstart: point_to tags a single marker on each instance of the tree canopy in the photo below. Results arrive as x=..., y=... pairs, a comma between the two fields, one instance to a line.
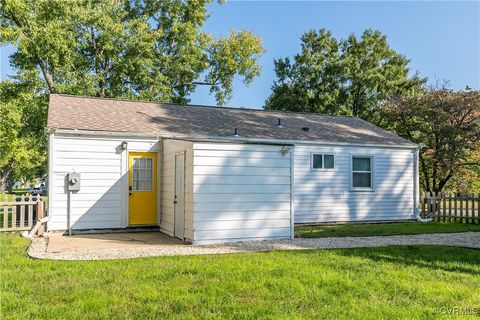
x=448, y=124
x=347, y=76
x=23, y=151
x=142, y=49
x=136, y=49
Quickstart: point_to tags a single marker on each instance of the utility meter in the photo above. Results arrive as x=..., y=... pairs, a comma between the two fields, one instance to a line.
x=73, y=181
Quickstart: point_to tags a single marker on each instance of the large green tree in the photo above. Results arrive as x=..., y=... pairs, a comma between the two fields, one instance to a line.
x=347, y=76
x=22, y=119
x=145, y=49
x=136, y=49
x=447, y=123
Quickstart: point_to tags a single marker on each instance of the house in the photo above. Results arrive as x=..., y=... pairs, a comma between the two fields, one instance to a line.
x=213, y=174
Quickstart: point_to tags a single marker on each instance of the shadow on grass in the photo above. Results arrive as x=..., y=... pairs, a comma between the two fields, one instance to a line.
x=450, y=259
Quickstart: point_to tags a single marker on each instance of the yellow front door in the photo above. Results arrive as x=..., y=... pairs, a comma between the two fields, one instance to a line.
x=142, y=182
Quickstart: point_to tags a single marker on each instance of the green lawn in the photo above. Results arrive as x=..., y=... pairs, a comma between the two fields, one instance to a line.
x=358, y=230
x=380, y=283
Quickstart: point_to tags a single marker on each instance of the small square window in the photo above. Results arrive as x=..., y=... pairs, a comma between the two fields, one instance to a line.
x=328, y=161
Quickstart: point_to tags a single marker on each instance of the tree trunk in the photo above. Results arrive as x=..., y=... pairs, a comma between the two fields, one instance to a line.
x=3, y=180
x=424, y=169
x=443, y=183
x=47, y=76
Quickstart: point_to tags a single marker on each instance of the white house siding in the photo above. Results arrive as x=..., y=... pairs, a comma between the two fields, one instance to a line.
x=101, y=201
x=325, y=195
x=241, y=192
x=170, y=149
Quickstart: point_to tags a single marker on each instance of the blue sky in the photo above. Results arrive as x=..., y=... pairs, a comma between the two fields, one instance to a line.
x=442, y=39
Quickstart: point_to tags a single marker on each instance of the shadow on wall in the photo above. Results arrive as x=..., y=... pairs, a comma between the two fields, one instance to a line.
x=229, y=203
x=102, y=198
x=325, y=196
x=387, y=200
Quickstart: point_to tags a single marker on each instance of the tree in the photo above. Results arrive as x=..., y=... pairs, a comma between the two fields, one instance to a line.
x=351, y=76
x=448, y=124
x=140, y=49
x=21, y=133
x=312, y=83
x=143, y=49
x=467, y=178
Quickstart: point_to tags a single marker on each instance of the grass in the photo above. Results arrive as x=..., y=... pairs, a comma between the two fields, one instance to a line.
x=358, y=230
x=411, y=282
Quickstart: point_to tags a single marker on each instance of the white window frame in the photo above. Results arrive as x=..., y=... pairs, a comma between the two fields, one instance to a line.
x=372, y=167
x=323, y=154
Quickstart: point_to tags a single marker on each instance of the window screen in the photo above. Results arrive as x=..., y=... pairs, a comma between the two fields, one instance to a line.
x=142, y=170
x=361, y=172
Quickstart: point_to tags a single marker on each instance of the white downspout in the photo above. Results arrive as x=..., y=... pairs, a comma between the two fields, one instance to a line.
x=34, y=230
x=292, y=192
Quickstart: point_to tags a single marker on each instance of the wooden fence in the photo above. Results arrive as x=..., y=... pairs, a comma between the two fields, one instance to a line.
x=451, y=207
x=21, y=213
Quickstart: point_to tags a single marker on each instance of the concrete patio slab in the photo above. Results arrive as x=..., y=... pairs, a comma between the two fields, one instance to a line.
x=58, y=243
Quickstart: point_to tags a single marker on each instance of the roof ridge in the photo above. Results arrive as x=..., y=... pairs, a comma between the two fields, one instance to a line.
x=203, y=106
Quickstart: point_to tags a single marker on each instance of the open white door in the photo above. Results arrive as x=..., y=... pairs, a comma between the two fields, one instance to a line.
x=179, y=201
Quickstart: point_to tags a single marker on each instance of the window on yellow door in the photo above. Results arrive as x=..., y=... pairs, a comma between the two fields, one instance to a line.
x=142, y=174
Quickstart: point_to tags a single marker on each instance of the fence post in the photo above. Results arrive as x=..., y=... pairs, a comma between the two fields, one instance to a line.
x=449, y=206
x=461, y=207
x=478, y=208
x=444, y=206
x=40, y=212
x=455, y=207
x=5, y=217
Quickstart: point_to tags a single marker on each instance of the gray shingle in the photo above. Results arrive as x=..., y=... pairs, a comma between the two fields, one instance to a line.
x=99, y=114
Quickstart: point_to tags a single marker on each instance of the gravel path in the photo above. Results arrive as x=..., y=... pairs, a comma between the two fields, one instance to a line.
x=38, y=246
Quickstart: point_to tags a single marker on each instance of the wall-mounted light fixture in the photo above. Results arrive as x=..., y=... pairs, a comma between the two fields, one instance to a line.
x=284, y=150
x=124, y=145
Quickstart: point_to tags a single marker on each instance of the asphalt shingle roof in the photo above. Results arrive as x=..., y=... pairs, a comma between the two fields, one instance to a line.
x=174, y=120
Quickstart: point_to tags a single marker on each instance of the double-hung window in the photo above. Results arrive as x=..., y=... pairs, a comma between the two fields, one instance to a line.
x=362, y=174
x=323, y=161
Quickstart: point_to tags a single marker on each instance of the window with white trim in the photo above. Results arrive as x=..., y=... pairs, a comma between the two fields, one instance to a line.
x=323, y=161
x=362, y=173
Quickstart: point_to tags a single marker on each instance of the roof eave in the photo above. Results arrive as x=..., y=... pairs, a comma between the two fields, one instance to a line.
x=239, y=139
